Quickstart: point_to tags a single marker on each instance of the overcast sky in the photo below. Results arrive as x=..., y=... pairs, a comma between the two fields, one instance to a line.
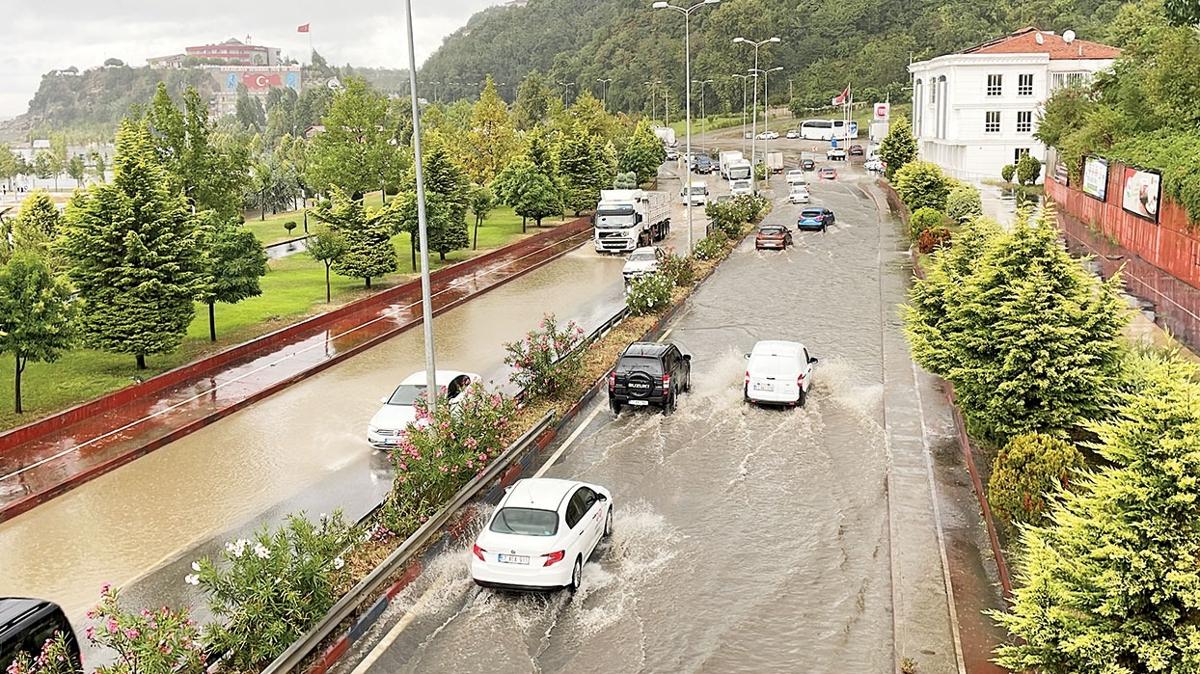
x=36, y=38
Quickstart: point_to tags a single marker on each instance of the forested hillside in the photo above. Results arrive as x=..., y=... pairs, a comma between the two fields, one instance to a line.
x=825, y=43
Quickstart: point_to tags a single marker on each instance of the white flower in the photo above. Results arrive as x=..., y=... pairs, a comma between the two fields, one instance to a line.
x=192, y=579
x=338, y=562
x=195, y=566
x=261, y=551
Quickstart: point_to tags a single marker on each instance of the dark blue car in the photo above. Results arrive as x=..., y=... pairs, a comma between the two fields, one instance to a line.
x=815, y=219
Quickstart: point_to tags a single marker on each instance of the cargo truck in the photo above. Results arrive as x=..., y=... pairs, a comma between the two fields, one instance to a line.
x=725, y=159
x=775, y=161
x=629, y=219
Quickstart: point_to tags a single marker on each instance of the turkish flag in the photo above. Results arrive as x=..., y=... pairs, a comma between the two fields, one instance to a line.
x=840, y=99
x=302, y=29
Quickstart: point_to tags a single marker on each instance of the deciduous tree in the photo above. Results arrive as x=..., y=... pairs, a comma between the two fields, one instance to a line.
x=231, y=263
x=643, y=153
x=491, y=141
x=354, y=153
x=482, y=203
x=369, y=251
x=327, y=245
x=36, y=314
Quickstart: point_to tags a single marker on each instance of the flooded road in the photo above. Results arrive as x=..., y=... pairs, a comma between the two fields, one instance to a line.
x=747, y=540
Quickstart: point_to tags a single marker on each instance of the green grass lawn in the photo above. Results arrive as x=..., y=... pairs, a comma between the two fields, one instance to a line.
x=270, y=229
x=292, y=289
x=713, y=123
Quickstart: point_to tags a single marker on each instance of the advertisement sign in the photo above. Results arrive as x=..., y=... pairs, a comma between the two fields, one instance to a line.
x=1142, y=192
x=260, y=81
x=1095, y=177
x=882, y=111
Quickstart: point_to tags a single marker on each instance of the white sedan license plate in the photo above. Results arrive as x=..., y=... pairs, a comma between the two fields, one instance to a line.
x=639, y=402
x=513, y=559
x=764, y=386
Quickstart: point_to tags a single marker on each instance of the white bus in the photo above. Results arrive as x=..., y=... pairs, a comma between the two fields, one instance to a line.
x=828, y=129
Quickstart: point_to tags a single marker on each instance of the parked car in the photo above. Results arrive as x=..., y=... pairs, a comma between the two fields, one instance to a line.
x=644, y=260
x=828, y=173
x=792, y=134
x=703, y=164
x=778, y=373
x=856, y=150
x=815, y=219
x=874, y=164
x=835, y=154
x=399, y=409
x=672, y=154
x=808, y=164
x=26, y=624
x=772, y=236
x=768, y=135
x=541, y=534
x=649, y=373
x=796, y=177
x=798, y=194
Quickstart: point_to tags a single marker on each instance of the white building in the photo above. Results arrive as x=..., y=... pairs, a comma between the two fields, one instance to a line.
x=976, y=110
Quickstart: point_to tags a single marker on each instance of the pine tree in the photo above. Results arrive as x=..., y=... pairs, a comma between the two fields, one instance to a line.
x=491, y=141
x=369, y=250
x=898, y=148
x=131, y=250
x=447, y=198
x=37, y=224
x=36, y=314
x=1112, y=586
x=232, y=261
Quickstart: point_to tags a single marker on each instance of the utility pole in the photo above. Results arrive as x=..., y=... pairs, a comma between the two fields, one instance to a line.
x=754, y=116
x=604, y=82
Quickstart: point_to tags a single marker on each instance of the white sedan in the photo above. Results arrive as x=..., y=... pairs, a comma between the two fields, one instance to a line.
x=398, y=411
x=793, y=134
x=798, y=194
x=541, y=534
x=768, y=135
x=643, y=261
x=796, y=177
x=778, y=373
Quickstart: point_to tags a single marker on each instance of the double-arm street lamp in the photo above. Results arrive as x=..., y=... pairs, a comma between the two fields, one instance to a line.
x=653, y=95
x=745, y=79
x=766, y=105
x=687, y=78
x=604, y=82
x=754, y=116
x=703, y=117
x=566, y=87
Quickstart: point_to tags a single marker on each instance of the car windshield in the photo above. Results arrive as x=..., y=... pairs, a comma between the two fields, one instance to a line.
x=807, y=213
x=642, y=256
x=525, y=522
x=407, y=394
x=771, y=231
x=640, y=363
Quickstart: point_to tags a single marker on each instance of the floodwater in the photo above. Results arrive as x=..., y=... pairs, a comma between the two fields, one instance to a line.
x=746, y=539
x=303, y=448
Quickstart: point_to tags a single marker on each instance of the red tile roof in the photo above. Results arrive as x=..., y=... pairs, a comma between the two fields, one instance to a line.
x=1025, y=41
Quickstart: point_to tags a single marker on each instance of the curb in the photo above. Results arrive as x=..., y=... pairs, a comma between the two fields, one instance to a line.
x=33, y=500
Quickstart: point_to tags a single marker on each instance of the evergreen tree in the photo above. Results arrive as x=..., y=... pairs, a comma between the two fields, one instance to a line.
x=533, y=101
x=369, y=251
x=326, y=246
x=354, y=153
x=99, y=167
x=643, y=153
x=491, y=141
x=36, y=314
x=37, y=224
x=447, y=198
x=130, y=246
x=538, y=198
x=583, y=168
x=1111, y=585
x=232, y=261
x=898, y=148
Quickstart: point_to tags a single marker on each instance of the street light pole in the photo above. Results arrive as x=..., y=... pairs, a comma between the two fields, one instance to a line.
x=766, y=108
x=745, y=79
x=754, y=115
x=687, y=78
x=422, y=226
x=604, y=90
x=653, y=96
x=703, y=117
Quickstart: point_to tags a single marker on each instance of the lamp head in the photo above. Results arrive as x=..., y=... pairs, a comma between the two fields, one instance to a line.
x=739, y=39
x=660, y=5
x=774, y=39
x=712, y=2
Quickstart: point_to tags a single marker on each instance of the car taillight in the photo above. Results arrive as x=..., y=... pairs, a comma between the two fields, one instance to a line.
x=554, y=557
x=666, y=383
x=478, y=552
x=800, y=380
x=747, y=379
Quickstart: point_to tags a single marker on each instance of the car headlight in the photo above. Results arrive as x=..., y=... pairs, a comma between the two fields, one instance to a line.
x=372, y=429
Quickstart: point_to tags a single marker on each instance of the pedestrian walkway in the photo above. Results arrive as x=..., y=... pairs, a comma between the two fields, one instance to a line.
x=38, y=468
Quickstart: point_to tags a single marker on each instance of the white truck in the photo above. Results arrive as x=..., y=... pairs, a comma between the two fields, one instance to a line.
x=666, y=134
x=775, y=161
x=699, y=196
x=725, y=159
x=626, y=220
x=738, y=170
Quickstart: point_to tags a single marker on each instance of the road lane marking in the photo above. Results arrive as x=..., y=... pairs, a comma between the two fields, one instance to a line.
x=665, y=334
x=569, y=441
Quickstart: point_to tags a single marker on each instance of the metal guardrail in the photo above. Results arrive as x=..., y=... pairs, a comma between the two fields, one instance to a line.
x=366, y=589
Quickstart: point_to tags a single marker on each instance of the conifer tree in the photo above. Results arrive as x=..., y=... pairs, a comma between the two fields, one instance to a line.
x=369, y=250
x=232, y=261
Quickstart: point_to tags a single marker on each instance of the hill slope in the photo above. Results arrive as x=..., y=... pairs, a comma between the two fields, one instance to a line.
x=825, y=43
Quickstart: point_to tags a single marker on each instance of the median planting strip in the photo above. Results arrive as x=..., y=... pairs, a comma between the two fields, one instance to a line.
x=46, y=458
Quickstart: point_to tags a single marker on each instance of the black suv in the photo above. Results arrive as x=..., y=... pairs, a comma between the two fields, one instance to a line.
x=649, y=373
x=25, y=624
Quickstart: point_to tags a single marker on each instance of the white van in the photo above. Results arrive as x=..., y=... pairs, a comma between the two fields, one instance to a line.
x=740, y=187
x=778, y=373
x=699, y=194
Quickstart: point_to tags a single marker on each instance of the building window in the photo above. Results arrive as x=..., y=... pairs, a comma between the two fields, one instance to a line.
x=1060, y=80
x=1024, y=121
x=1025, y=84
x=991, y=123
x=995, y=85
x=933, y=92
x=1018, y=153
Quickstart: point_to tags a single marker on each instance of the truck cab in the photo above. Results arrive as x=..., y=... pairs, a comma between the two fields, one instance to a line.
x=740, y=187
x=626, y=220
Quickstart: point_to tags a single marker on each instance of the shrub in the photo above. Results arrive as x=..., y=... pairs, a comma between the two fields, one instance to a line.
x=731, y=216
x=922, y=184
x=1028, y=169
x=289, y=226
x=681, y=270
x=648, y=294
x=933, y=238
x=760, y=171
x=923, y=219
x=963, y=203
x=1007, y=172
x=269, y=590
x=711, y=246
x=546, y=361
x=1028, y=469
x=54, y=658
x=625, y=181
x=147, y=641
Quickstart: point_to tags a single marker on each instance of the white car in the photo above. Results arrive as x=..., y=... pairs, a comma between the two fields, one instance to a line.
x=541, y=534
x=740, y=187
x=778, y=373
x=398, y=411
x=796, y=177
x=798, y=194
x=644, y=260
x=835, y=154
x=699, y=194
x=768, y=135
x=874, y=164
x=672, y=154
x=792, y=134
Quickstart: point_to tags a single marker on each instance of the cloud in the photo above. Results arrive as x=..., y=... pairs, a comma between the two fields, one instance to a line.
x=83, y=33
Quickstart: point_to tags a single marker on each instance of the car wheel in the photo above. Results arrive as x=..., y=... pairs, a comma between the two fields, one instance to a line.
x=687, y=381
x=576, y=576
x=608, y=525
x=669, y=403
x=800, y=400
x=614, y=406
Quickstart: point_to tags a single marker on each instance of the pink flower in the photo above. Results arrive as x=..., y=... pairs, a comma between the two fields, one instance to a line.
x=483, y=457
x=105, y=588
x=112, y=626
x=131, y=633
x=470, y=463
x=471, y=443
x=89, y=632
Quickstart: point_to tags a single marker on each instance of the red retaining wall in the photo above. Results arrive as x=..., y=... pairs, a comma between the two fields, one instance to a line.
x=1169, y=244
x=196, y=368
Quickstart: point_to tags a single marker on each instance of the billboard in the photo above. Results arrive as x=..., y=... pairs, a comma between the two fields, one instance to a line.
x=1142, y=192
x=1095, y=177
x=259, y=80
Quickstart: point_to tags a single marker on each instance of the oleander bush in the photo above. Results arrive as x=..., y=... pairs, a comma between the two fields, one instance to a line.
x=546, y=360
x=648, y=294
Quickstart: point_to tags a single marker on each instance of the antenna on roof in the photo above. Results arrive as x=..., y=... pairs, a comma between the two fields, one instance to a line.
x=1037, y=37
x=1069, y=36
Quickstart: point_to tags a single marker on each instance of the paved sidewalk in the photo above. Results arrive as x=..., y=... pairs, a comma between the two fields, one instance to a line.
x=46, y=466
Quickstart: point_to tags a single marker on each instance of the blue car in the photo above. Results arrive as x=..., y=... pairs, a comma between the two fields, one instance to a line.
x=815, y=219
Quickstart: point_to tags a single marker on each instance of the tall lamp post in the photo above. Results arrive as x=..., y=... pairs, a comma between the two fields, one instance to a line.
x=653, y=96
x=566, y=87
x=604, y=82
x=745, y=79
x=767, y=106
x=703, y=117
x=687, y=78
x=422, y=225
x=754, y=114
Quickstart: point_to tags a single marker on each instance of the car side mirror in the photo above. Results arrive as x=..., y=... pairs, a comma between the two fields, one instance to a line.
x=602, y=497
x=747, y=356
x=687, y=357
x=812, y=359
x=383, y=400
